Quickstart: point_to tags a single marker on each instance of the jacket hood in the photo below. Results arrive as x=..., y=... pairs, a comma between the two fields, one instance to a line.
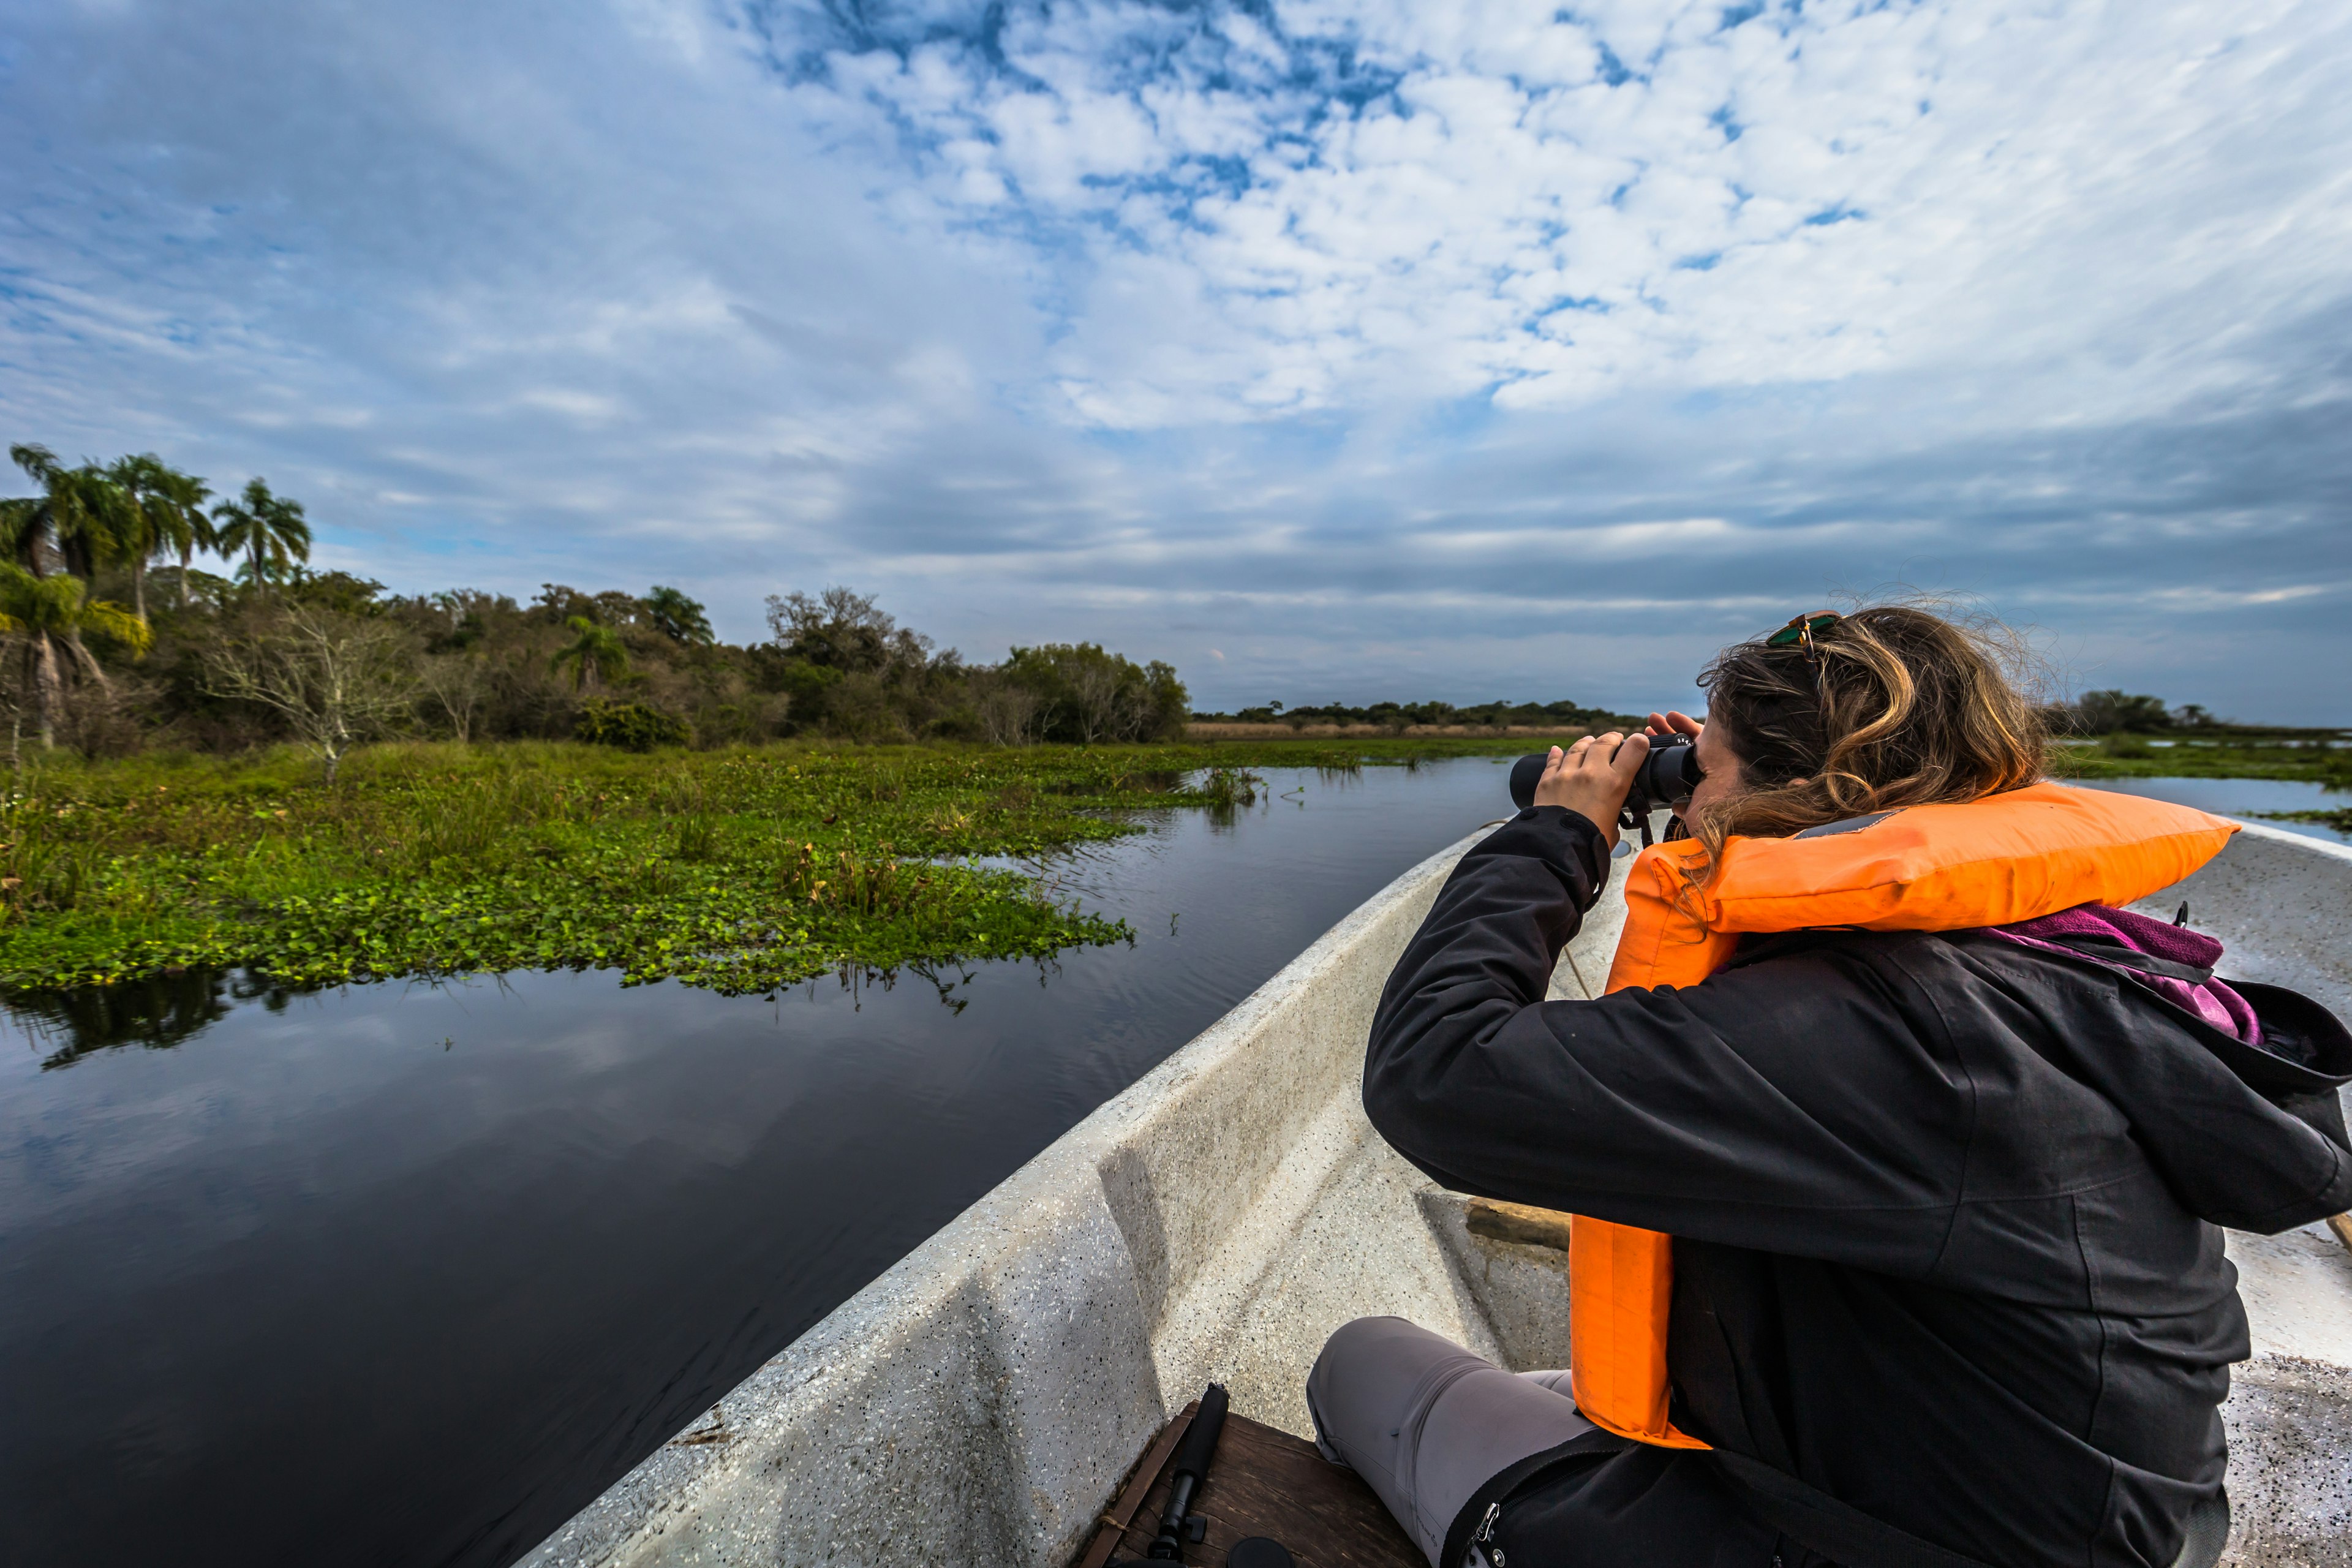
x=2248, y=1136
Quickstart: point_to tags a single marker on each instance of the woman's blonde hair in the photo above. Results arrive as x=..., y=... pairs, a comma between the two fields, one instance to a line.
x=1890, y=706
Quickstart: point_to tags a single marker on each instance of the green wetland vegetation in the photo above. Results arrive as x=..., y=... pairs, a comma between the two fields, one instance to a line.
x=2299, y=756
x=2123, y=735
x=303, y=775
x=740, y=869
x=2220, y=751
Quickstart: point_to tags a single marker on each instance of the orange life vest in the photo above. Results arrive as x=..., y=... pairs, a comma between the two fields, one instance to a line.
x=2005, y=858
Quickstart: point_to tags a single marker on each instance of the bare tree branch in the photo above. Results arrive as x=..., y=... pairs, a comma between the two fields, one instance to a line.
x=456, y=682
x=337, y=680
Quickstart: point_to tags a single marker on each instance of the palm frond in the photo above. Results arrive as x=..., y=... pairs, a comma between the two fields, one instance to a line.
x=21, y=517
x=117, y=624
x=34, y=458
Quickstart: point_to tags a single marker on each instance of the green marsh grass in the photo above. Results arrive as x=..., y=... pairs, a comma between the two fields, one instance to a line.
x=742, y=870
x=2227, y=757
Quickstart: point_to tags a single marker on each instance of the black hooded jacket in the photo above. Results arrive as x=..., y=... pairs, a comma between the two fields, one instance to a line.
x=1945, y=1211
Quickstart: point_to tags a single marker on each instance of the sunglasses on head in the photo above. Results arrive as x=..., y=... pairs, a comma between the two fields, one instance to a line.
x=1801, y=630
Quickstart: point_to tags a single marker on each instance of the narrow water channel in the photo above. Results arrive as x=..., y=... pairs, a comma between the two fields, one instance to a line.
x=406, y=1274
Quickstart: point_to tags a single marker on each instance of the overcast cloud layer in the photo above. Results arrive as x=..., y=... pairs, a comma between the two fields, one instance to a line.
x=1340, y=348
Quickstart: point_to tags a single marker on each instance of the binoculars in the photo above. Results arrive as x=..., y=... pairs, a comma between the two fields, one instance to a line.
x=1667, y=776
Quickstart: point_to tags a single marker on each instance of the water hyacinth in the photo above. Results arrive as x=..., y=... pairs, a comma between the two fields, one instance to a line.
x=741, y=870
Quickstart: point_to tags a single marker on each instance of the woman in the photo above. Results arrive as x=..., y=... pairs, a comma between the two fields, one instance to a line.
x=1897, y=1153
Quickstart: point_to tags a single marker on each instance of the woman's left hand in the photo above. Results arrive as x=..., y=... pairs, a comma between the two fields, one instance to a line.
x=1674, y=723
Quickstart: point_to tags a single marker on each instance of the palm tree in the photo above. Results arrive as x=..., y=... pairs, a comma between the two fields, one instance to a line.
x=80, y=516
x=675, y=616
x=168, y=507
x=140, y=535
x=103, y=527
x=267, y=528
x=26, y=523
x=192, y=530
x=594, y=653
x=50, y=617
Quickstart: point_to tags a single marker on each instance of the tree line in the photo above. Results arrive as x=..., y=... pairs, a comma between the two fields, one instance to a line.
x=2092, y=713
x=275, y=651
x=1400, y=716
x=2115, y=713
x=2126, y=713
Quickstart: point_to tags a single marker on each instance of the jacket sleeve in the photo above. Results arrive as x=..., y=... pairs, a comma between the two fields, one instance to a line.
x=1804, y=1104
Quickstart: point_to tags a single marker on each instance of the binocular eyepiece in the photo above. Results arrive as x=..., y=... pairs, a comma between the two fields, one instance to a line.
x=1668, y=775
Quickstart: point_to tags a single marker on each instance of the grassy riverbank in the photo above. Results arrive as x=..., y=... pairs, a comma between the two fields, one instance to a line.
x=742, y=869
x=2300, y=756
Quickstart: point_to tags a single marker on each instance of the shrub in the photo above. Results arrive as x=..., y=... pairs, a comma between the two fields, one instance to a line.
x=860, y=707
x=2105, y=712
x=1225, y=788
x=1086, y=694
x=632, y=726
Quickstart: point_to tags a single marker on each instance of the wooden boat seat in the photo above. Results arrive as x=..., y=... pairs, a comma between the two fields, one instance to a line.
x=1265, y=1482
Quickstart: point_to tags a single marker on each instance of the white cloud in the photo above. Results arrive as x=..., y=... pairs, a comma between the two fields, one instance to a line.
x=1807, y=196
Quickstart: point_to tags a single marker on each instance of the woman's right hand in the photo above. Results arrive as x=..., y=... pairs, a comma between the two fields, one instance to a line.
x=1591, y=778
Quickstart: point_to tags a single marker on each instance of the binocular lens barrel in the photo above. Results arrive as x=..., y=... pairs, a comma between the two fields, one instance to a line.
x=1668, y=775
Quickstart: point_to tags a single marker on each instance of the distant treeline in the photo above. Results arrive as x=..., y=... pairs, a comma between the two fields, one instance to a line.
x=1403, y=716
x=312, y=653
x=2092, y=713
x=281, y=652
x=2135, y=713
x=113, y=640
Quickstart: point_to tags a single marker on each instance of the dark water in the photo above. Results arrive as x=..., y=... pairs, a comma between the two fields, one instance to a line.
x=405, y=1274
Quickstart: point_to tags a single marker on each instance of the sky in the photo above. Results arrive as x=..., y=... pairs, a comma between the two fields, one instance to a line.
x=1327, y=349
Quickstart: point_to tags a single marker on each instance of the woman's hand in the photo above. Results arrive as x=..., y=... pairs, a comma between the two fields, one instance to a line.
x=1591, y=778
x=1674, y=723
x=1721, y=772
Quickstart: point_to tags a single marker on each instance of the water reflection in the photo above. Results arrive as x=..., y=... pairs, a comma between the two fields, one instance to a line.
x=405, y=1273
x=69, y=1023
x=157, y=1012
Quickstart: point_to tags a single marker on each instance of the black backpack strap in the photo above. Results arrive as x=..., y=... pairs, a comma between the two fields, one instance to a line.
x=1488, y=1499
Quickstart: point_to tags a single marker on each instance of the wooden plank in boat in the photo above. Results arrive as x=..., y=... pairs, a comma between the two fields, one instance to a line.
x=1108, y=1528
x=1267, y=1482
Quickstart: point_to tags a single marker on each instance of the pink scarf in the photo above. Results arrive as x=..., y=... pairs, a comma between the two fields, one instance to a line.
x=2212, y=1001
